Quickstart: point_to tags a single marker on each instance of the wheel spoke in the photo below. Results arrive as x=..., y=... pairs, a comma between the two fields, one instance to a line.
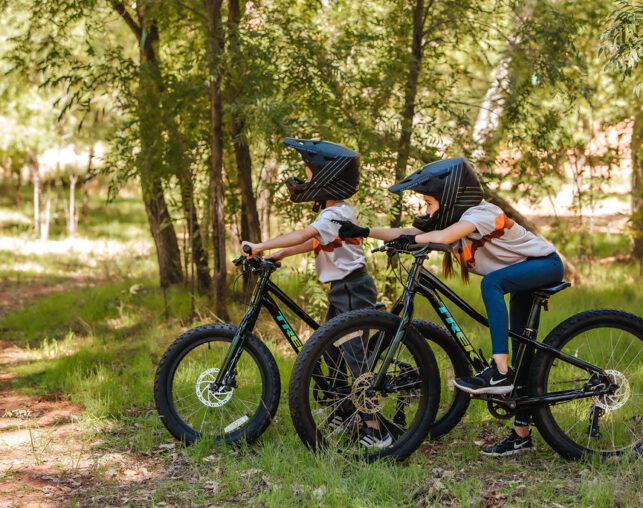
x=597, y=423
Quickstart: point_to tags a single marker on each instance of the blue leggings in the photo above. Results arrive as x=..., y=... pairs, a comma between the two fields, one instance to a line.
x=519, y=280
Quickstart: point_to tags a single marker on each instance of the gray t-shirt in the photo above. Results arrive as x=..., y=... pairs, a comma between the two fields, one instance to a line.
x=497, y=242
x=336, y=258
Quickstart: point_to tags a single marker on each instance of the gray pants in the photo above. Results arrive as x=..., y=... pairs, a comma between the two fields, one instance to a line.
x=355, y=291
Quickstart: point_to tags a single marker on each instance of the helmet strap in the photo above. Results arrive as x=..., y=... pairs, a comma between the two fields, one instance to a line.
x=318, y=205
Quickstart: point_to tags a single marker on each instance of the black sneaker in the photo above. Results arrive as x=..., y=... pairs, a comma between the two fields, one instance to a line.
x=512, y=445
x=373, y=438
x=487, y=381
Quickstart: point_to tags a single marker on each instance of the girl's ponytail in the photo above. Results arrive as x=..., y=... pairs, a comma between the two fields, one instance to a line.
x=447, y=268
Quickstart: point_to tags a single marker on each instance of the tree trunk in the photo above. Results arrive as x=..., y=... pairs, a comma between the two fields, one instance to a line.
x=19, y=188
x=46, y=218
x=637, y=186
x=410, y=92
x=161, y=226
x=264, y=199
x=35, y=176
x=199, y=255
x=215, y=45
x=71, y=221
x=85, y=208
x=167, y=246
x=250, y=226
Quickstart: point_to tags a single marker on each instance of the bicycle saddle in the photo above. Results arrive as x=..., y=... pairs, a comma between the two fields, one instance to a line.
x=547, y=291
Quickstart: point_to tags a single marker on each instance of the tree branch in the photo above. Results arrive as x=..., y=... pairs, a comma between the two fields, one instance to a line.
x=122, y=11
x=191, y=9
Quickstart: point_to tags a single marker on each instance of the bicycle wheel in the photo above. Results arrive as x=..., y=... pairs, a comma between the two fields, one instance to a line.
x=330, y=392
x=191, y=410
x=603, y=425
x=452, y=363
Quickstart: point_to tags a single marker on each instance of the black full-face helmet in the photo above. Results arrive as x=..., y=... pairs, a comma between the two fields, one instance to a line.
x=335, y=171
x=453, y=182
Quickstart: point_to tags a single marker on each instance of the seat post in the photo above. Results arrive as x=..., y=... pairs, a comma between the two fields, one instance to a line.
x=530, y=331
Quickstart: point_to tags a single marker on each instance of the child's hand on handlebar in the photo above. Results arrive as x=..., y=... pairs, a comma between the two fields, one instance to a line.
x=402, y=242
x=249, y=249
x=350, y=230
x=275, y=256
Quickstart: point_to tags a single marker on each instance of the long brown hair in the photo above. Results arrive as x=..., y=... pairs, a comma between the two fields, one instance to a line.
x=447, y=267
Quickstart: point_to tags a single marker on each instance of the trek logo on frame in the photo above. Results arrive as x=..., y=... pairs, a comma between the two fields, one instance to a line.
x=285, y=326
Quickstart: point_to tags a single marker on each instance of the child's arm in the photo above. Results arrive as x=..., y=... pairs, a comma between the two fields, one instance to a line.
x=307, y=246
x=388, y=234
x=350, y=230
x=447, y=235
x=288, y=240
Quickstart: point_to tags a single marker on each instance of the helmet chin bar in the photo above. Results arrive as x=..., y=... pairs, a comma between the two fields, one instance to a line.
x=426, y=223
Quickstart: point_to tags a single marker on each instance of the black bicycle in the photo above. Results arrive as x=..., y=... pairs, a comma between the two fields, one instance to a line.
x=585, y=381
x=220, y=381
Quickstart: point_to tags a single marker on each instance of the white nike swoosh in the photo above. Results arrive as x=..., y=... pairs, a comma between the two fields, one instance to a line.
x=494, y=383
x=517, y=446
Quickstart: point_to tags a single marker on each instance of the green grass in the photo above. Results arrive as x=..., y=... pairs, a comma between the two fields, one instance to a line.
x=100, y=345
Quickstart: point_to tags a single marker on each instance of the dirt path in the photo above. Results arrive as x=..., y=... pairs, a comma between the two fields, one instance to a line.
x=45, y=460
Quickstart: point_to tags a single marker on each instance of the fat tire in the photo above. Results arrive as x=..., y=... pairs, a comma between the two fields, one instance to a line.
x=302, y=372
x=271, y=384
x=439, y=337
x=557, y=338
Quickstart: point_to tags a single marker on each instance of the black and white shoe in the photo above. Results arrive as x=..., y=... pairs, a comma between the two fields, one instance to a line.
x=337, y=423
x=373, y=439
x=487, y=381
x=512, y=445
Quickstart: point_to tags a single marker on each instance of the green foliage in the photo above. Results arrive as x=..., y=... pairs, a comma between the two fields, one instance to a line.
x=622, y=40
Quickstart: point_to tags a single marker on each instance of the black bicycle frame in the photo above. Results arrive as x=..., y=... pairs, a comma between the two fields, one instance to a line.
x=428, y=285
x=264, y=295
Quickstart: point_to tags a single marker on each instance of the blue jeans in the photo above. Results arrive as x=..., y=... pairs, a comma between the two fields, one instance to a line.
x=519, y=280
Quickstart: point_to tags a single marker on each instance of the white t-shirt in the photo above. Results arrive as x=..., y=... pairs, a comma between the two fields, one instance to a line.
x=497, y=242
x=336, y=258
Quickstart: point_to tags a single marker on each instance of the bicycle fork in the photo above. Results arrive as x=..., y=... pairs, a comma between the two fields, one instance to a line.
x=407, y=316
x=227, y=369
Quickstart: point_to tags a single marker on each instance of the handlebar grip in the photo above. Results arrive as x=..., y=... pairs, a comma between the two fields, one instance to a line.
x=247, y=249
x=444, y=247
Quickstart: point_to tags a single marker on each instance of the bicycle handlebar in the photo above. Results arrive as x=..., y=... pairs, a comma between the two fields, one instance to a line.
x=255, y=262
x=421, y=248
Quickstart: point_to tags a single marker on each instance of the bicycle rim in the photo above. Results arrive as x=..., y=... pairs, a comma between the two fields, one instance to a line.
x=605, y=424
x=209, y=412
x=342, y=409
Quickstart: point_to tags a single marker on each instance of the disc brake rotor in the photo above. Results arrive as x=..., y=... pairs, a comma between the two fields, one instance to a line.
x=211, y=398
x=612, y=401
x=362, y=400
